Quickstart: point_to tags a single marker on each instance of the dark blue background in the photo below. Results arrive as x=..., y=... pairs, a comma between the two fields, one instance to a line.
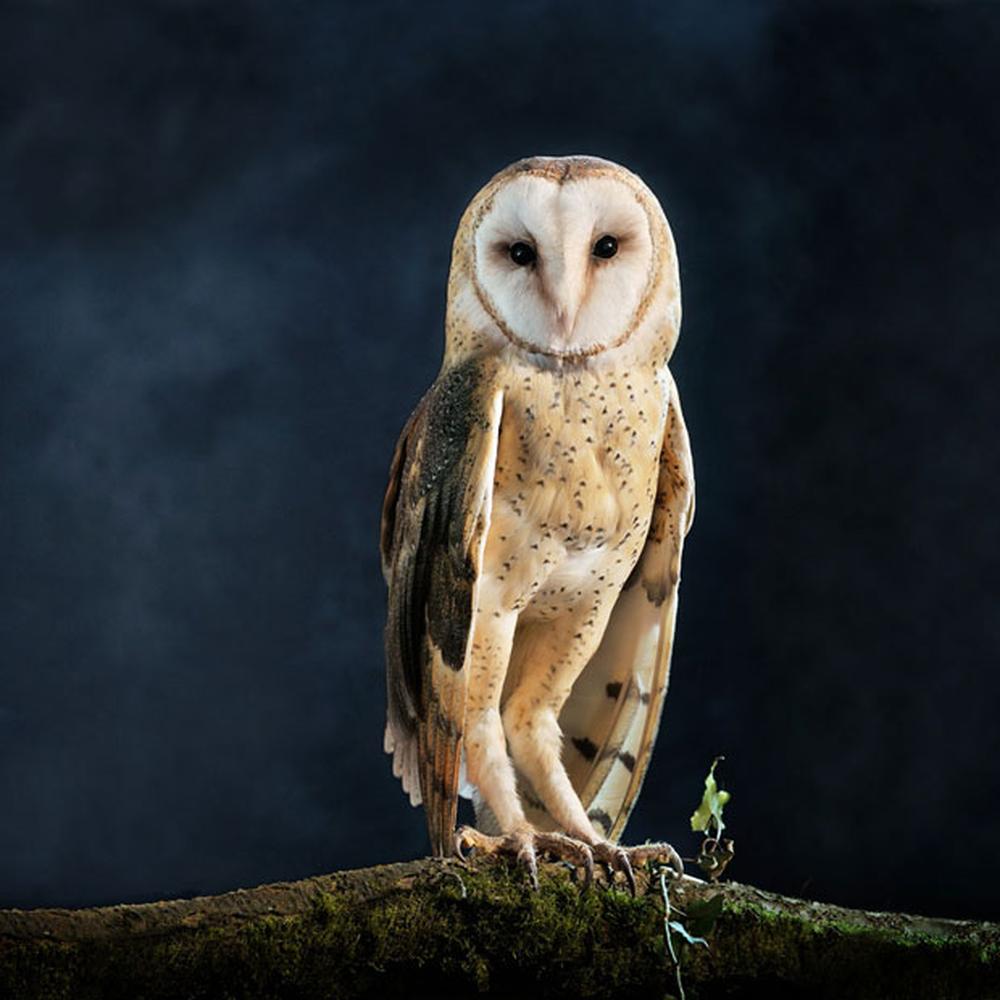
x=225, y=232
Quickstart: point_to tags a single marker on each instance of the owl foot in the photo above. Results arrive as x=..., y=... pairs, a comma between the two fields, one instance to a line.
x=525, y=846
x=626, y=859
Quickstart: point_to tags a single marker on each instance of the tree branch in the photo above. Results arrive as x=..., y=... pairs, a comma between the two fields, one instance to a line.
x=445, y=928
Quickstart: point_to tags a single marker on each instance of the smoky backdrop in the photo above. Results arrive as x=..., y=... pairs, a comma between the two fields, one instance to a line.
x=224, y=238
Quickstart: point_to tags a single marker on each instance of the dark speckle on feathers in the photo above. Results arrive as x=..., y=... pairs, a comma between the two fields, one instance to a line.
x=601, y=818
x=453, y=408
x=658, y=590
x=434, y=571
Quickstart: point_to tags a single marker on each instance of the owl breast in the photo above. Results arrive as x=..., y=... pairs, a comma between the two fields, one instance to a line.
x=574, y=487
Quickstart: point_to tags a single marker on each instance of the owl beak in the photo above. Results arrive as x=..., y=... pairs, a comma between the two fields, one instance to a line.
x=567, y=300
x=566, y=319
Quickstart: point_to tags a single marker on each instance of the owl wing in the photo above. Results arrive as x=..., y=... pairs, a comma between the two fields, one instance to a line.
x=613, y=713
x=435, y=519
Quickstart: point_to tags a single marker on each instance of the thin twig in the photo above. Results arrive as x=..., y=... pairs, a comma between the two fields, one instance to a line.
x=666, y=930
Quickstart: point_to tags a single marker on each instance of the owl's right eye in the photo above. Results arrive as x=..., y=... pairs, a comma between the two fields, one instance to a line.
x=522, y=254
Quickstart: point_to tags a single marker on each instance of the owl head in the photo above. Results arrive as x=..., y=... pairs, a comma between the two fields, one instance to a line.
x=564, y=258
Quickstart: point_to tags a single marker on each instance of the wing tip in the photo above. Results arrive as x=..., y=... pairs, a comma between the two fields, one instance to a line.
x=404, y=762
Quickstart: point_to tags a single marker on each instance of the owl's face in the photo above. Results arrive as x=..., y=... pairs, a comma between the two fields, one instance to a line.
x=564, y=260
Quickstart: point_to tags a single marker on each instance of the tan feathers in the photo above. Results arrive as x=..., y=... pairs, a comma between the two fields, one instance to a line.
x=534, y=519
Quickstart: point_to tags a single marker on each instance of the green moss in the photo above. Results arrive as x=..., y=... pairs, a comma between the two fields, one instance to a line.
x=743, y=907
x=891, y=935
x=450, y=931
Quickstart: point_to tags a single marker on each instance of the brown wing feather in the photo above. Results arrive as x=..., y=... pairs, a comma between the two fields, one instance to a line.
x=388, y=526
x=434, y=523
x=618, y=700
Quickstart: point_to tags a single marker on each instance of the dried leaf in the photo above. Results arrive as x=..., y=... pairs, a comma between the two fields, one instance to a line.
x=714, y=856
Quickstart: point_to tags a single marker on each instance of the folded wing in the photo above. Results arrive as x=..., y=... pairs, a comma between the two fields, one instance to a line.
x=435, y=518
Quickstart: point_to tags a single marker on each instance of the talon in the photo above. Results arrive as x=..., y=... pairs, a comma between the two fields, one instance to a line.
x=573, y=852
x=626, y=868
x=675, y=862
x=626, y=859
x=528, y=857
x=609, y=855
x=663, y=853
x=460, y=842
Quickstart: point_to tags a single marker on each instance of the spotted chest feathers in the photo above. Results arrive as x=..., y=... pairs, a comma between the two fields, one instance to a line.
x=574, y=486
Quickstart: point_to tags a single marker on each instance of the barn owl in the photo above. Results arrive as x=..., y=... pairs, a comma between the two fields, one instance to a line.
x=532, y=527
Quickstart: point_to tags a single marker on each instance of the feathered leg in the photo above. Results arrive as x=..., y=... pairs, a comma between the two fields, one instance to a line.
x=488, y=765
x=557, y=652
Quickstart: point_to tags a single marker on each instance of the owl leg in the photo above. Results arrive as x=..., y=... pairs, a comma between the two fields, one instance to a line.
x=488, y=765
x=552, y=655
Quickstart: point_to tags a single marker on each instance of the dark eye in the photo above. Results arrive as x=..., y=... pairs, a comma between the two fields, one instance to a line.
x=522, y=254
x=605, y=247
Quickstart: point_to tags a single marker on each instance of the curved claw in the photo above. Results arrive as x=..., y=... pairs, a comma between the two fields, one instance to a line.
x=462, y=841
x=527, y=856
x=627, y=859
x=616, y=859
x=664, y=853
x=626, y=867
x=574, y=852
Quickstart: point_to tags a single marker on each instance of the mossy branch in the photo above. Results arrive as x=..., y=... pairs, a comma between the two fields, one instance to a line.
x=444, y=928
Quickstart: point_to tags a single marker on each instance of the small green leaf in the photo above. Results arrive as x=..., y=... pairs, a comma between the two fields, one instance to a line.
x=678, y=927
x=712, y=804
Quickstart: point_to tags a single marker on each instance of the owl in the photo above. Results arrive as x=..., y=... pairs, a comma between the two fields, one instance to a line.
x=532, y=528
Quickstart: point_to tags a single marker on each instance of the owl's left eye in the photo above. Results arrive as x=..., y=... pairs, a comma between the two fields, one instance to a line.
x=522, y=254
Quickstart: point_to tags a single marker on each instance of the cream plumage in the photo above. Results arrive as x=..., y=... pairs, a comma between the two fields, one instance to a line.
x=534, y=520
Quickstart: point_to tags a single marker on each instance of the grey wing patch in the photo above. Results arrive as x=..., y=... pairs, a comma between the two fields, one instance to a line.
x=434, y=526
x=612, y=716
